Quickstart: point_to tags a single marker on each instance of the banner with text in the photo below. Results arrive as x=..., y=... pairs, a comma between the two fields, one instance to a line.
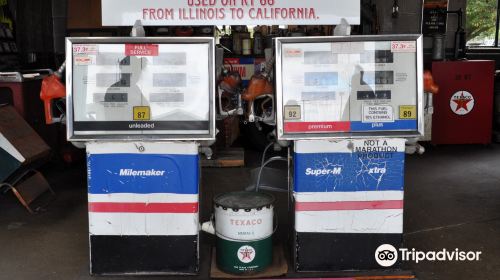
x=229, y=12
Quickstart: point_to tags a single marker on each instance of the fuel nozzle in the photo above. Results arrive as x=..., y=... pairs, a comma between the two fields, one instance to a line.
x=61, y=69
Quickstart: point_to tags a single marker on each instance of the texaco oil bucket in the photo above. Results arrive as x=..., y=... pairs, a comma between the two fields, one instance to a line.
x=244, y=229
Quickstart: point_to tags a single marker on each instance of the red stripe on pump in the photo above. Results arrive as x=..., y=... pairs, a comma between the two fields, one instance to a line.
x=119, y=207
x=317, y=126
x=349, y=205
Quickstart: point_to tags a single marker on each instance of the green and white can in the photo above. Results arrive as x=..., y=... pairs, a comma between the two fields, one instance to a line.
x=244, y=229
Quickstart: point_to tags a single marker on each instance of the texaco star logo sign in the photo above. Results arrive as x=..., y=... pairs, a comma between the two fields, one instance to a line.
x=246, y=254
x=462, y=103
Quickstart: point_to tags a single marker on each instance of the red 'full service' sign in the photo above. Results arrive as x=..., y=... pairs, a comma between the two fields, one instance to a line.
x=141, y=50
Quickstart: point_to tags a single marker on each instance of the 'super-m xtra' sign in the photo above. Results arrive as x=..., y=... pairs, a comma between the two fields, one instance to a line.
x=229, y=12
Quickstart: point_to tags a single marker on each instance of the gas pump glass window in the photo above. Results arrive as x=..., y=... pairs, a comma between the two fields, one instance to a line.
x=348, y=87
x=137, y=90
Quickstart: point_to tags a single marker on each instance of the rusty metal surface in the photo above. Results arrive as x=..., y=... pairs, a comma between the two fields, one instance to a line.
x=230, y=157
x=30, y=188
x=229, y=130
x=17, y=131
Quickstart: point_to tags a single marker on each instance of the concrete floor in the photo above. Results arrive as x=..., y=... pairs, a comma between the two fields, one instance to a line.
x=452, y=200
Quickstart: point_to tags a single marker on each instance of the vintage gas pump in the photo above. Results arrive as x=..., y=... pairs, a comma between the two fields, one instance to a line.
x=349, y=104
x=141, y=105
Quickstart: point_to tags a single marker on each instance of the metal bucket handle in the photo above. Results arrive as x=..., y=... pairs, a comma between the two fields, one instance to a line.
x=275, y=221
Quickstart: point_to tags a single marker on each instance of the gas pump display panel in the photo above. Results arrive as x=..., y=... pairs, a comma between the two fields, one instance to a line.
x=140, y=88
x=357, y=86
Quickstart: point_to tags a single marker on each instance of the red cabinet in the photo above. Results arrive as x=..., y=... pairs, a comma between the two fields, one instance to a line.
x=463, y=108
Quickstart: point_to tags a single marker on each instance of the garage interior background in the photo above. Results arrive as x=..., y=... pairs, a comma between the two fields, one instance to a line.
x=38, y=20
x=42, y=25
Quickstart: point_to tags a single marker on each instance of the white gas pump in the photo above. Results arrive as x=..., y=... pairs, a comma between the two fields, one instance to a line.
x=142, y=106
x=349, y=103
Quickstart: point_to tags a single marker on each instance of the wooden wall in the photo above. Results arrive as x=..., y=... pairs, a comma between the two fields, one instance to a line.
x=84, y=14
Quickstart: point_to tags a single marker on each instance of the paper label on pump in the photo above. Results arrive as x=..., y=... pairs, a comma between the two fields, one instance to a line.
x=404, y=46
x=293, y=53
x=85, y=49
x=83, y=60
x=378, y=113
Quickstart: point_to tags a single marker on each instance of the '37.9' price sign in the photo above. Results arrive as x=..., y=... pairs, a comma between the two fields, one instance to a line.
x=404, y=46
x=85, y=49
